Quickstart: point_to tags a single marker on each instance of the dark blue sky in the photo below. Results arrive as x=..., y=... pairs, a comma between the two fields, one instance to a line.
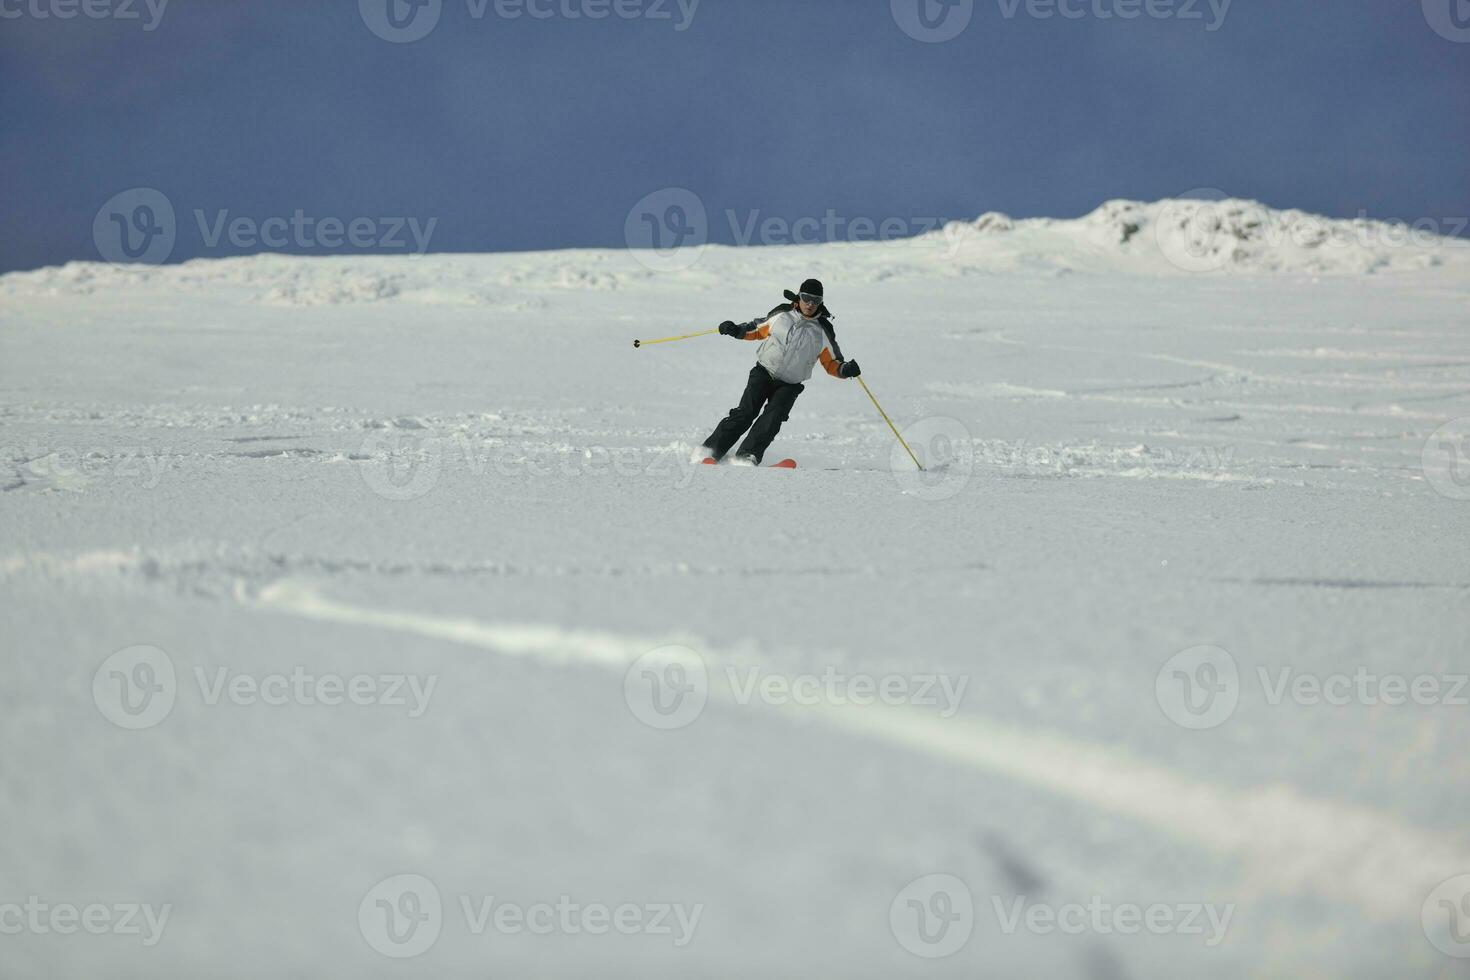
x=542, y=133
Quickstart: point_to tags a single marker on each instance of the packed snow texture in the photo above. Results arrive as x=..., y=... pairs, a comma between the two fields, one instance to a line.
x=1164, y=442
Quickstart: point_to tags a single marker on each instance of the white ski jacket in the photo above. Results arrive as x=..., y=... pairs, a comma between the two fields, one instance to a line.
x=791, y=346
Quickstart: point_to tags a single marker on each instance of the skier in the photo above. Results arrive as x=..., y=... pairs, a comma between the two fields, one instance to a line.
x=794, y=337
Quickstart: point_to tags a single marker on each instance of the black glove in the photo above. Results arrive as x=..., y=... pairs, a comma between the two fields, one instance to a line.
x=732, y=329
x=849, y=369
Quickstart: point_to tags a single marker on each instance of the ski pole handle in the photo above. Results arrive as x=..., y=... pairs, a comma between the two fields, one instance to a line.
x=670, y=340
x=890, y=424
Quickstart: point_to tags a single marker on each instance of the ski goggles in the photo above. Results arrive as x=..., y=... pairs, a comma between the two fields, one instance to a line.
x=810, y=298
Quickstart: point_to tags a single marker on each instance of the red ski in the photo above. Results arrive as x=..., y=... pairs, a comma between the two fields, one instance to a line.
x=785, y=464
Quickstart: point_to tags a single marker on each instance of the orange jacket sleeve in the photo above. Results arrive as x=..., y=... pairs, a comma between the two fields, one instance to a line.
x=759, y=333
x=830, y=364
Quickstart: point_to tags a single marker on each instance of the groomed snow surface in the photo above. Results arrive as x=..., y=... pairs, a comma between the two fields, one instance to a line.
x=1059, y=707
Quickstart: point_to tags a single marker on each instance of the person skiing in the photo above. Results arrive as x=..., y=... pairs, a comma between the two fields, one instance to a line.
x=794, y=338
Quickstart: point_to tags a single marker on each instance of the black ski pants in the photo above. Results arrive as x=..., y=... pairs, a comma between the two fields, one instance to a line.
x=777, y=397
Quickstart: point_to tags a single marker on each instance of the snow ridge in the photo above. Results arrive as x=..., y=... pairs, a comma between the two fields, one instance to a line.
x=1178, y=237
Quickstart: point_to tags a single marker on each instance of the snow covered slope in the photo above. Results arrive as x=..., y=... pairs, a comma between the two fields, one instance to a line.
x=1058, y=686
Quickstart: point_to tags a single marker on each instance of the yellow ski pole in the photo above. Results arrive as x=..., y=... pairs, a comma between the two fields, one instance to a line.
x=890, y=424
x=670, y=340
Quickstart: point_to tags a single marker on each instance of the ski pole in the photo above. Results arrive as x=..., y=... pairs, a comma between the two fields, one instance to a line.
x=890, y=424
x=670, y=340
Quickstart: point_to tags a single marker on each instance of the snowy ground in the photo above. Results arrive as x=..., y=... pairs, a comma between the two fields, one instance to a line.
x=453, y=486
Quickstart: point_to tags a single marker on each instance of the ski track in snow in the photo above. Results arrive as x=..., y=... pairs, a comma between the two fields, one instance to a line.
x=1290, y=843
